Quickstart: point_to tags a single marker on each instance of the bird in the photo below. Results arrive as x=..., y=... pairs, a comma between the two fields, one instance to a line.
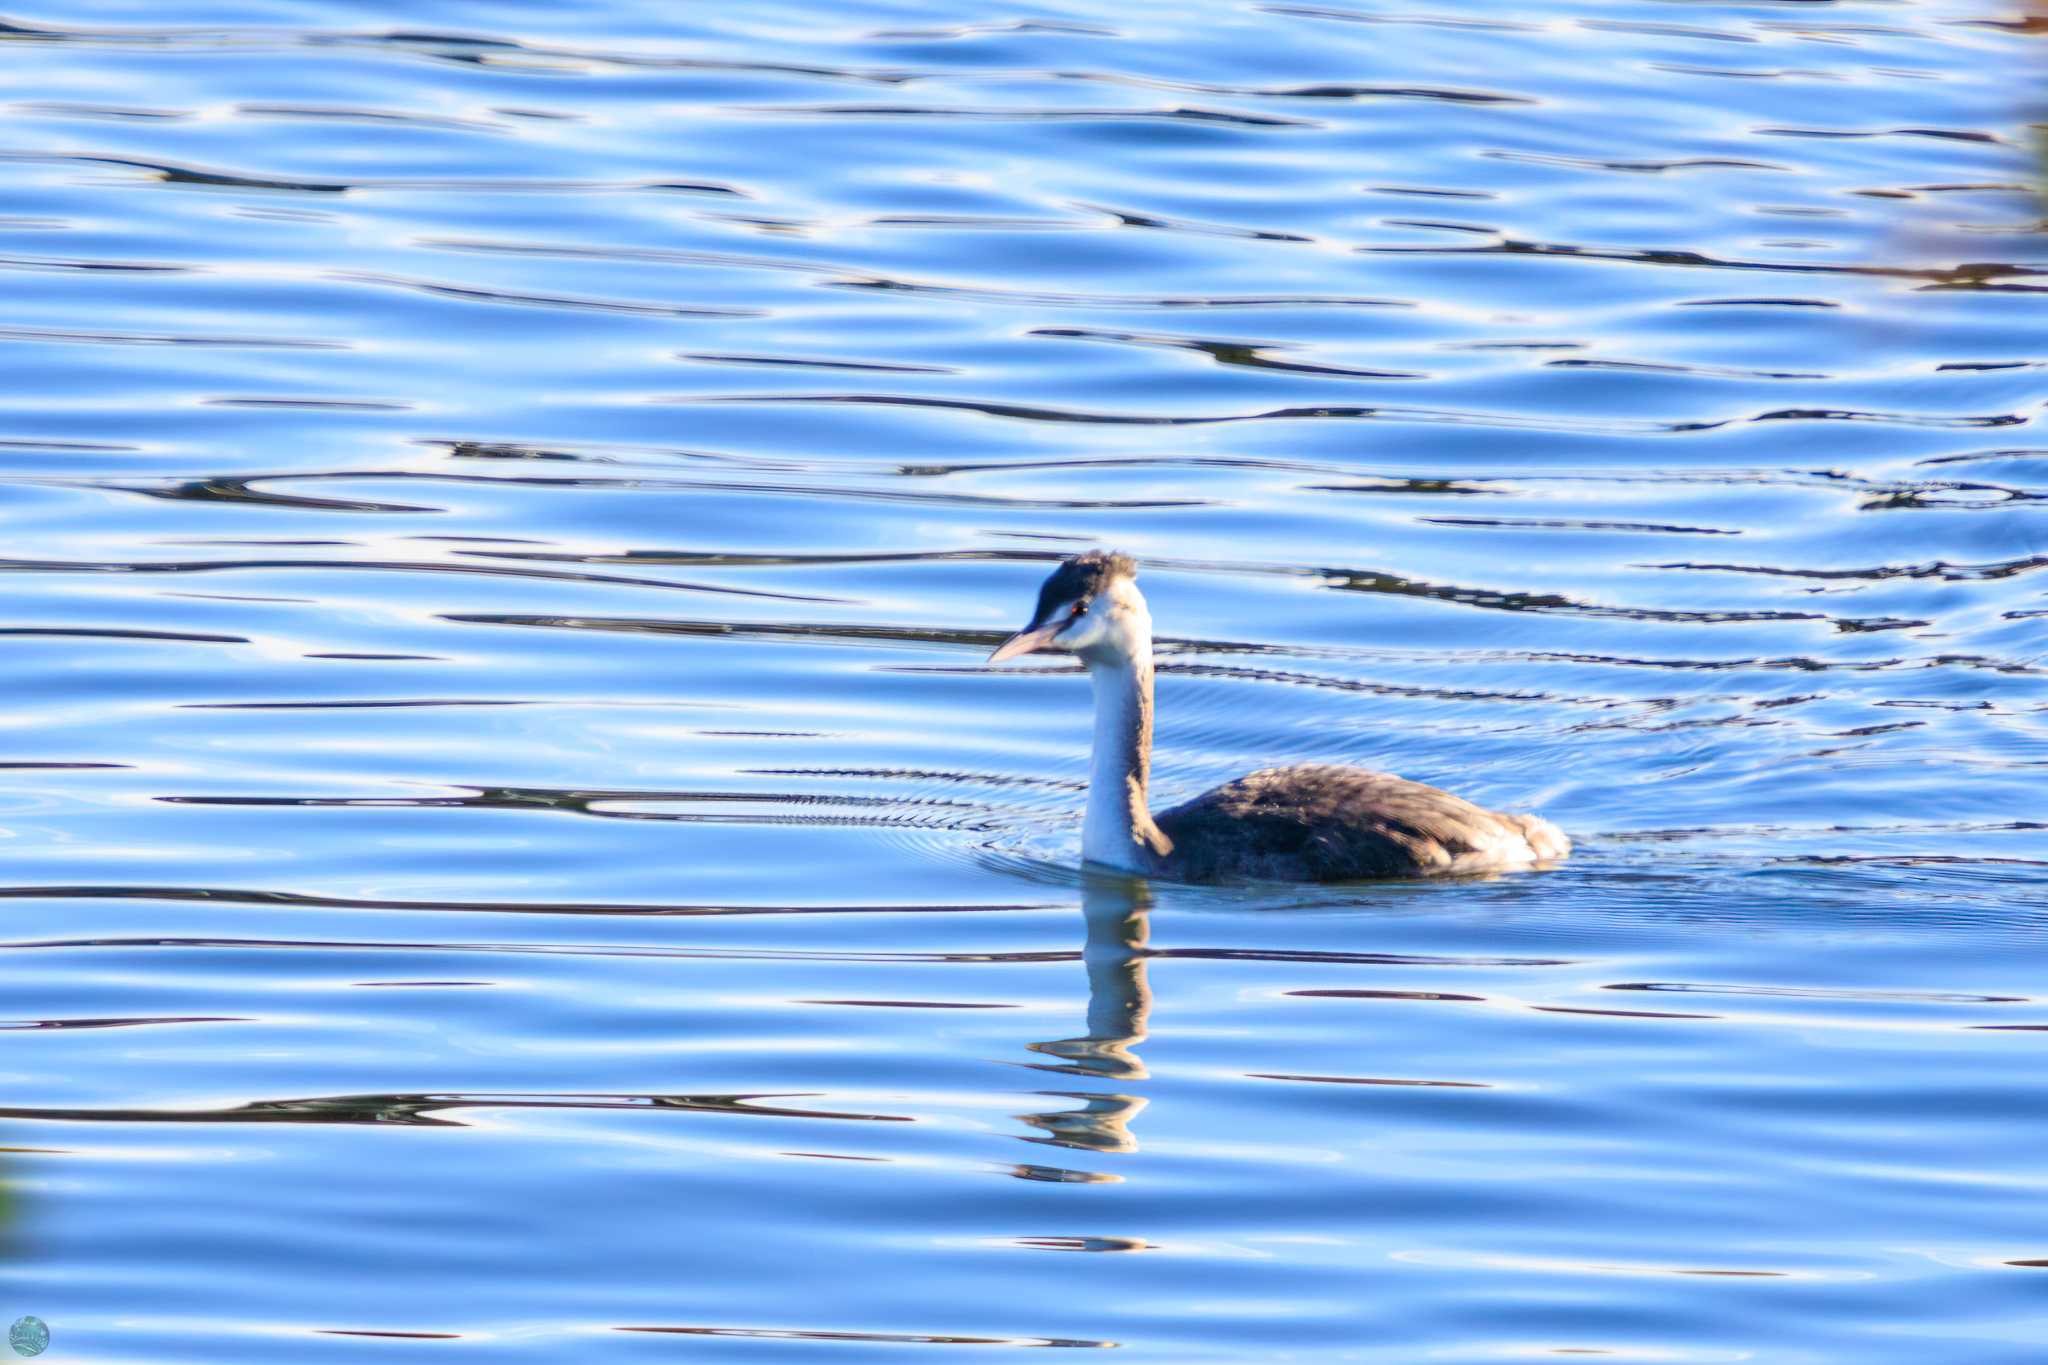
x=1314, y=822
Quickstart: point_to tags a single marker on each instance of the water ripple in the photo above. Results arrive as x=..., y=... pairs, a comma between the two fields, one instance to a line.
x=504, y=525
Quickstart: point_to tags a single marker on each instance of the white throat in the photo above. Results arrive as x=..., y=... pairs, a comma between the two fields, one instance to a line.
x=1118, y=831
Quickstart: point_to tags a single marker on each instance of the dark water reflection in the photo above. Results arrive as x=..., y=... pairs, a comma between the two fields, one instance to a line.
x=510, y=845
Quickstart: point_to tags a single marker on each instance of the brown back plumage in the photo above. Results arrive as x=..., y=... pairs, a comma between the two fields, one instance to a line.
x=1326, y=823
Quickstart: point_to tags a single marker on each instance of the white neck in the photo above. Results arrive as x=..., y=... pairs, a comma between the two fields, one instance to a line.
x=1118, y=831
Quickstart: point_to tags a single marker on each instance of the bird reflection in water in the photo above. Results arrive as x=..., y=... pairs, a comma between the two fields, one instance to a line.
x=1119, y=1000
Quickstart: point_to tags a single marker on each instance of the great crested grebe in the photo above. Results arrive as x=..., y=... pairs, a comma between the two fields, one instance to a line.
x=1316, y=822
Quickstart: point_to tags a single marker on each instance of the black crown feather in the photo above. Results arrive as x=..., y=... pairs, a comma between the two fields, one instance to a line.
x=1079, y=579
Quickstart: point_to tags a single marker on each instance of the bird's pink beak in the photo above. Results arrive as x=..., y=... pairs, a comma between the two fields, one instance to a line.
x=1026, y=642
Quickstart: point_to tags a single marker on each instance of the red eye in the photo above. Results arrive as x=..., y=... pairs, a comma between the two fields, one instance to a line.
x=1079, y=607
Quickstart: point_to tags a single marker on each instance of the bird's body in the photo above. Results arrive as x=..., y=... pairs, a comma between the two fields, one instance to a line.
x=1314, y=822
x=1330, y=823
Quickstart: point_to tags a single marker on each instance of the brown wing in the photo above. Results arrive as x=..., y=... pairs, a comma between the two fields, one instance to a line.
x=1327, y=823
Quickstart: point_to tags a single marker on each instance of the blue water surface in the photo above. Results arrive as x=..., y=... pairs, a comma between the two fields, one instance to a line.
x=510, y=848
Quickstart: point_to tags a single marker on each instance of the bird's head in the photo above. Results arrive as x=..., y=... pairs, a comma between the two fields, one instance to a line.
x=1090, y=606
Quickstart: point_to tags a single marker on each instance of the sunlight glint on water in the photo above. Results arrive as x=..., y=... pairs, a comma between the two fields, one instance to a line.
x=512, y=848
